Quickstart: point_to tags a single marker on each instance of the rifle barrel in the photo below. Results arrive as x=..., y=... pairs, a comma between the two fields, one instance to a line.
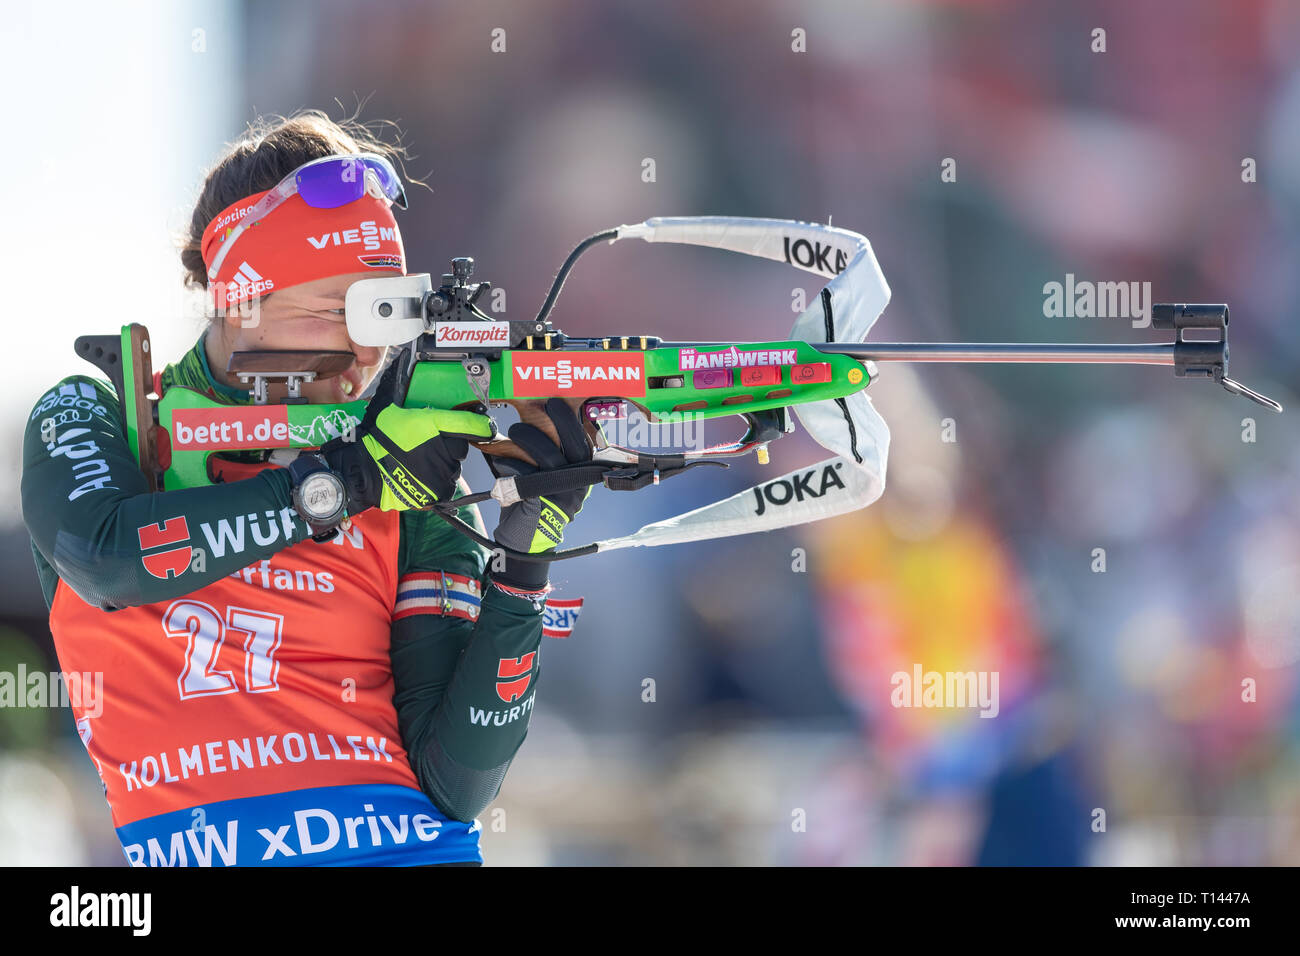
x=1004, y=352
x=1071, y=354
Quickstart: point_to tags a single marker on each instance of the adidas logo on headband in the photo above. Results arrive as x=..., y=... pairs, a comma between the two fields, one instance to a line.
x=246, y=283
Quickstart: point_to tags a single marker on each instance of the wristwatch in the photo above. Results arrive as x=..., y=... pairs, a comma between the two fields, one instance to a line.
x=318, y=496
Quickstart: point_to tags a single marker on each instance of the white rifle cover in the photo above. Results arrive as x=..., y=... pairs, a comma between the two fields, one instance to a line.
x=845, y=311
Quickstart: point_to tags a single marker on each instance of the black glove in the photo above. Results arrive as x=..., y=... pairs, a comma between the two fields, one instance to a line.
x=535, y=525
x=403, y=458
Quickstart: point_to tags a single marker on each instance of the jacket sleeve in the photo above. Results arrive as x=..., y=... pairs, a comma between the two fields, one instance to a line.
x=94, y=521
x=460, y=733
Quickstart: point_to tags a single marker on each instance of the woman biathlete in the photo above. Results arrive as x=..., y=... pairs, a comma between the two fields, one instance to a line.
x=277, y=691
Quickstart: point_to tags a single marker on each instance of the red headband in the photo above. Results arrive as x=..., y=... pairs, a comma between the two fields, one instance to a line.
x=297, y=243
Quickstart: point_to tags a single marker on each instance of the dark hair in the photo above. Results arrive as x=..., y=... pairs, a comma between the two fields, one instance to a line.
x=268, y=151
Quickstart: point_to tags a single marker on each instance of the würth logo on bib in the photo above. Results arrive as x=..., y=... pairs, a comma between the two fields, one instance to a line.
x=208, y=429
x=578, y=374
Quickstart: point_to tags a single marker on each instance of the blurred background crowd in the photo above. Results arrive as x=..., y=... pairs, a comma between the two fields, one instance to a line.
x=1123, y=736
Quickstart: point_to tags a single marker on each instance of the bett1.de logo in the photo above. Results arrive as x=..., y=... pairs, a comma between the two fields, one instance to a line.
x=261, y=426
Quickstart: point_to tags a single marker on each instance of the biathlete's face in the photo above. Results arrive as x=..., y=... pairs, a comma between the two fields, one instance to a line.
x=309, y=316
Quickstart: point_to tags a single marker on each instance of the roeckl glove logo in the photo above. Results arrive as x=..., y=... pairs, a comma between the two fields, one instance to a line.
x=551, y=524
x=408, y=486
x=173, y=561
x=513, y=667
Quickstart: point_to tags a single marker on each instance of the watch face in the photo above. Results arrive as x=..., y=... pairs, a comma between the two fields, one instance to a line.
x=321, y=495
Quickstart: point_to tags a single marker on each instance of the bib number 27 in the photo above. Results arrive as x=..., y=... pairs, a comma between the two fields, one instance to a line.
x=205, y=631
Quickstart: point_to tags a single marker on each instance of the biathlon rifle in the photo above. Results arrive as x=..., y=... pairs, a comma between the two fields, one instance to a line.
x=458, y=357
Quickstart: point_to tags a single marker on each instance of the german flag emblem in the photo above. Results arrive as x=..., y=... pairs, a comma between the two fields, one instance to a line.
x=383, y=260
